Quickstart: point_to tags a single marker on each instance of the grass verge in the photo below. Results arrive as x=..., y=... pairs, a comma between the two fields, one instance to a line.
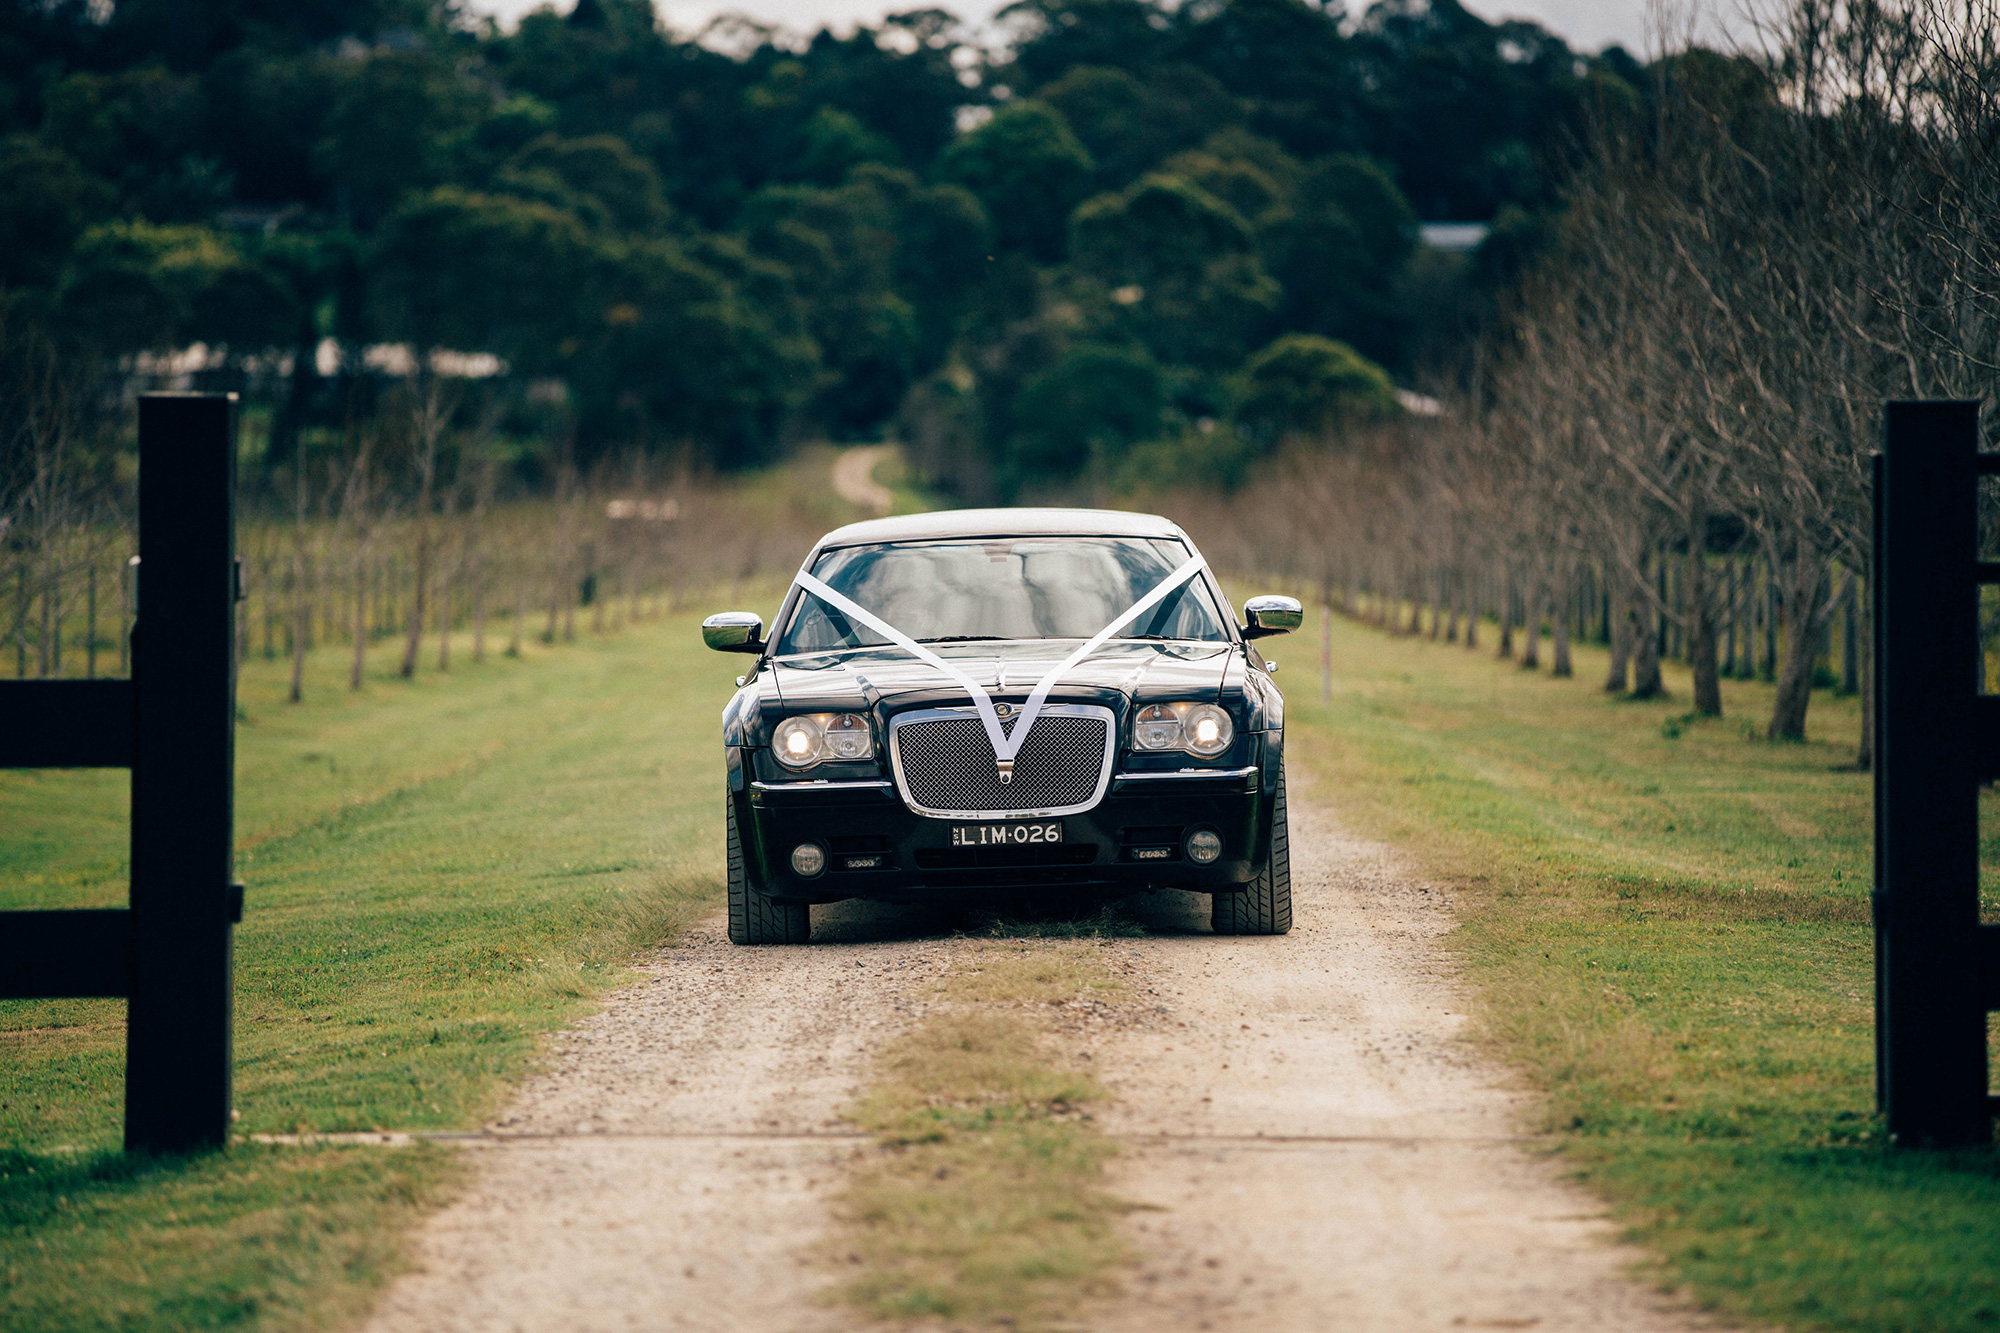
x=1668, y=922
x=985, y=1204
x=439, y=871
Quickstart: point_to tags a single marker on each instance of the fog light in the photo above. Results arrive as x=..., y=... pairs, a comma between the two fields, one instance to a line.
x=809, y=858
x=1203, y=846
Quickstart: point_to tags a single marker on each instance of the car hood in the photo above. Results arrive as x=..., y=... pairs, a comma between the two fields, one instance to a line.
x=890, y=680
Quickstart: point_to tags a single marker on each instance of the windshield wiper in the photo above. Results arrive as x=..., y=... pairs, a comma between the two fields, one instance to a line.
x=965, y=638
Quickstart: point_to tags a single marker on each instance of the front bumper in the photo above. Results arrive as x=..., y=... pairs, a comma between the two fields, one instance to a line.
x=1132, y=839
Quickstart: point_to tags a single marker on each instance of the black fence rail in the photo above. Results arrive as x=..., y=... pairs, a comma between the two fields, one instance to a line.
x=173, y=724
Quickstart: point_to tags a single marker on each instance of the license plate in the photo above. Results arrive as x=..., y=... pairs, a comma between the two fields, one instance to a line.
x=1005, y=835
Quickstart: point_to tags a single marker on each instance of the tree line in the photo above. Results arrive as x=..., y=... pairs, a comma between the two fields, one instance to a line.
x=1668, y=434
x=1029, y=260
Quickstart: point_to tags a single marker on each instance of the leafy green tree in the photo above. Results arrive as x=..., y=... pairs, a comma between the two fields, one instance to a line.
x=46, y=202
x=1253, y=176
x=1055, y=36
x=475, y=272
x=943, y=241
x=840, y=246
x=684, y=355
x=135, y=285
x=398, y=122
x=835, y=142
x=1289, y=61
x=264, y=115
x=1029, y=171
x=1303, y=385
x=598, y=175
x=1129, y=125
x=1092, y=405
x=1340, y=252
x=1182, y=264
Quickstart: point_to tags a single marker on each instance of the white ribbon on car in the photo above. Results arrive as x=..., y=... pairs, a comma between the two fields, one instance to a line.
x=1005, y=746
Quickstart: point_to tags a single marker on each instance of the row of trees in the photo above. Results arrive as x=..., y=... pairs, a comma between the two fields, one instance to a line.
x=1690, y=383
x=404, y=546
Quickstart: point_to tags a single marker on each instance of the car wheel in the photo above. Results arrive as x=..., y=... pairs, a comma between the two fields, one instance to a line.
x=1263, y=906
x=753, y=918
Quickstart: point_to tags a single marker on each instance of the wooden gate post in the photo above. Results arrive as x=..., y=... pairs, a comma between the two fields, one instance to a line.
x=1934, y=744
x=173, y=724
x=177, y=1070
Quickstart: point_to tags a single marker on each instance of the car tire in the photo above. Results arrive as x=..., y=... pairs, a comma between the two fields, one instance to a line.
x=753, y=918
x=1264, y=905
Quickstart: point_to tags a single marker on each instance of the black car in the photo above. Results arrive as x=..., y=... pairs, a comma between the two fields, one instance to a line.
x=1004, y=698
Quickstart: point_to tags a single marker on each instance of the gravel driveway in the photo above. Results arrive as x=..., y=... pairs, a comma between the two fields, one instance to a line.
x=1321, y=1149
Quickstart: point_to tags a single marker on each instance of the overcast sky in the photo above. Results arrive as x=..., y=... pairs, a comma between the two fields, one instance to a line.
x=1587, y=25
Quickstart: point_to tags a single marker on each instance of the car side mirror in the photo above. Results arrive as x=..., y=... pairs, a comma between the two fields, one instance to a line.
x=734, y=632
x=1264, y=616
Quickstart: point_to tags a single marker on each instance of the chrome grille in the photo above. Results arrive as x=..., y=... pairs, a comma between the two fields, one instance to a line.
x=944, y=762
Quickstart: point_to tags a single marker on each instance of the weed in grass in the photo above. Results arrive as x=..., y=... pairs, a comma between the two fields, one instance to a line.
x=984, y=1203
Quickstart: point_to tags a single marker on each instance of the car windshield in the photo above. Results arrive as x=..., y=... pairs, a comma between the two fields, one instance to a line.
x=1003, y=588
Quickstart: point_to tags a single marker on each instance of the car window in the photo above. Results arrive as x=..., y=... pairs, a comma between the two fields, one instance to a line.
x=1003, y=588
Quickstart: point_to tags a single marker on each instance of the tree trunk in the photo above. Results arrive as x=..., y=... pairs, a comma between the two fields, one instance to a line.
x=1729, y=616
x=557, y=575
x=1850, y=633
x=1768, y=607
x=414, y=642
x=1568, y=601
x=301, y=610
x=1864, y=753
x=1472, y=610
x=478, y=574
x=1807, y=622
x=1746, y=620
x=361, y=575
x=1506, y=616
x=1699, y=611
x=1646, y=682
x=1618, y=679
x=444, y=617
x=1531, y=650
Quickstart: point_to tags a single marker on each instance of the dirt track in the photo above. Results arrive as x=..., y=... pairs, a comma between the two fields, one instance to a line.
x=1322, y=1151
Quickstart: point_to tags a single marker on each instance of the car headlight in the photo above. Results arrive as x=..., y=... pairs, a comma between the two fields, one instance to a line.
x=1201, y=729
x=801, y=742
x=1207, y=730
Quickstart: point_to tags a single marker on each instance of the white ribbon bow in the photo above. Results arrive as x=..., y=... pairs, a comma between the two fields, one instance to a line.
x=1005, y=746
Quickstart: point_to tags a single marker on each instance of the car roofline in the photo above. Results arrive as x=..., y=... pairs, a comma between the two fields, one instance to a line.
x=962, y=524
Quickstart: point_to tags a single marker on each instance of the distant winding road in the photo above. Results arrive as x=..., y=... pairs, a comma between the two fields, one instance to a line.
x=854, y=478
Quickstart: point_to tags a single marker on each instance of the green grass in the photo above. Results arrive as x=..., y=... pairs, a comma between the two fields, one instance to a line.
x=984, y=1204
x=1667, y=923
x=438, y=872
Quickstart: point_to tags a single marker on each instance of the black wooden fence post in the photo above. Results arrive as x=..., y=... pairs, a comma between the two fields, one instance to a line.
x=178, y=1036
x=1933, y=746
x=173, y=724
